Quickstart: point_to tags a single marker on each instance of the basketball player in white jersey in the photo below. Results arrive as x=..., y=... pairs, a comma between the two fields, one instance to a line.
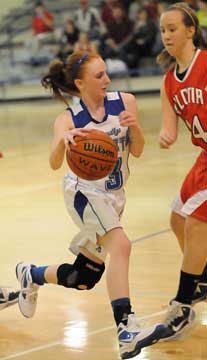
x=95, y=206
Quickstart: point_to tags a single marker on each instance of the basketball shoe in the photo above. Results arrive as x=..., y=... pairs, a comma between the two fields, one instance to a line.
x=8, y=297
x=132, y=338
x=200, y=293
x=180, y=316
x=28, y=293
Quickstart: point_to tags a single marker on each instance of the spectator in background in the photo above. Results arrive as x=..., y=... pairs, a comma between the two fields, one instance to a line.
x=202, y=16
x=42, y=21
x=161, y=7
x=192, y=3
x=42, y=31
x=118, y=36
x=87, y=19
x=133, y=8
x=151, y=7
x=85, y=44
x=144, y=34
x=158, y=45
x=107, y=10
x=126, y=4
x=68, y=38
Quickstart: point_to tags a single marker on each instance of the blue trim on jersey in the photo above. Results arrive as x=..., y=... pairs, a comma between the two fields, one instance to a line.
x=80, y=202
x=112, y=107
x=81, y=119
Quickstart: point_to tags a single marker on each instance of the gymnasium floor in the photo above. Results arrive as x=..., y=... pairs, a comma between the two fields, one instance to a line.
x=35, y=228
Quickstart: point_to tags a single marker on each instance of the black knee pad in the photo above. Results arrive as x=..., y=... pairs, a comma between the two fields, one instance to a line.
x=83, y=272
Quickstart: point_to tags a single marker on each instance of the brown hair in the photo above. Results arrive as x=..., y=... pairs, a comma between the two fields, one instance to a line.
x=164, y=59
x=61, y=74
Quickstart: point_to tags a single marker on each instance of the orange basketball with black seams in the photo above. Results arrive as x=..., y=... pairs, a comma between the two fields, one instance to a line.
x=94, y=155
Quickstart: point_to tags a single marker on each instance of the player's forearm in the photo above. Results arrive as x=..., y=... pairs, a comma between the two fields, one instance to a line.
x=136, y=141
x=57, y=155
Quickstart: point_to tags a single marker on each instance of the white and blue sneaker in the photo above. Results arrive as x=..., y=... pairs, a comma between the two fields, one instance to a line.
x=28, y=294
x=179, y=318
x=8, y=297
x=132, y=338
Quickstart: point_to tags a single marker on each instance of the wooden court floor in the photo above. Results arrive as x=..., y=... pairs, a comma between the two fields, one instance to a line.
x=35, y=227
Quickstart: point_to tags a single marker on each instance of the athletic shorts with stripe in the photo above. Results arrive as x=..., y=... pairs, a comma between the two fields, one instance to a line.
x=193, y=195
x=95, y=212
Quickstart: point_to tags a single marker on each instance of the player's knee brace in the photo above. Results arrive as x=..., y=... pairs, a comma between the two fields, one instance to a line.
x=83, y=272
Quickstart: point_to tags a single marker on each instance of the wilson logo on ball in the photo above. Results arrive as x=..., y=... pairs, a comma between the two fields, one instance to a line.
x=99, y=149
x=94, y=155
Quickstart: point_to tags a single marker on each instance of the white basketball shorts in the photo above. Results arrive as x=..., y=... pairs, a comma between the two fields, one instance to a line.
x=94, y=211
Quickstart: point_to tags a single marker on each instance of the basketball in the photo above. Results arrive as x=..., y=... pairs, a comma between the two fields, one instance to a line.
x=94, y=155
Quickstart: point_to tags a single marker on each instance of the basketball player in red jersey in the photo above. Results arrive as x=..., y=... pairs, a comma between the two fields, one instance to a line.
x=184, y=96
x=94, y=206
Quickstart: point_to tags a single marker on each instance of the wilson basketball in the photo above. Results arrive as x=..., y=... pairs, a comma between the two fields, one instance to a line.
x=94, y=155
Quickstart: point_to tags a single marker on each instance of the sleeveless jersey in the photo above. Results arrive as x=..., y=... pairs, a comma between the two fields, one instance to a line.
x=188, y=97
x=114, y=105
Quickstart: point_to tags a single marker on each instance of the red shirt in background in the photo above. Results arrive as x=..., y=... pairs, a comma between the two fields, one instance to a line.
x=39, y=25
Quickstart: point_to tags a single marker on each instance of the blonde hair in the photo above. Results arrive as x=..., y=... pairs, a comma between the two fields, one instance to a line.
x=184, y=8
x=164, y=59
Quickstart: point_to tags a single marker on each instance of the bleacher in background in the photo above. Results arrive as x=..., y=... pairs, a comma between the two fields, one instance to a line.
x=15, y=27
x=18, y=20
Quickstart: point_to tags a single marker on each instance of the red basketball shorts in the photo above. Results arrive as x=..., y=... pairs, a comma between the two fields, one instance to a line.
x=193, y=195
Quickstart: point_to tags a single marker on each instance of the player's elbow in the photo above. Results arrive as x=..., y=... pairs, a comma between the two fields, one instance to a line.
x=55, y=165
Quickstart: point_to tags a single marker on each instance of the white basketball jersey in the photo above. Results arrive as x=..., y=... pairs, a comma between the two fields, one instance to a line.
x=110, y=124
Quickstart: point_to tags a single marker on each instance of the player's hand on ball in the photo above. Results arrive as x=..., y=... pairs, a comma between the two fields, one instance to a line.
x=127, y=119
x=69, y=136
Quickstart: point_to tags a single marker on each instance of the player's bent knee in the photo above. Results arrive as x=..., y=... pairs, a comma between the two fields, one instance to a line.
x=84, y=274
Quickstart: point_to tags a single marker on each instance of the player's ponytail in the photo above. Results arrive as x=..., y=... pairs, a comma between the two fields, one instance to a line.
x=199, y=40
x=165, y=60
x=58, y=80
x=62, y=74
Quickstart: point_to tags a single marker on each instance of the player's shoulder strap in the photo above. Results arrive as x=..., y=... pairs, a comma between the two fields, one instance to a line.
x=79, y=115
x=114, y=103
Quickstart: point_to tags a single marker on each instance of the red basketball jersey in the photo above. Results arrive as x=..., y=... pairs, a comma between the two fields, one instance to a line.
x=188, y=97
